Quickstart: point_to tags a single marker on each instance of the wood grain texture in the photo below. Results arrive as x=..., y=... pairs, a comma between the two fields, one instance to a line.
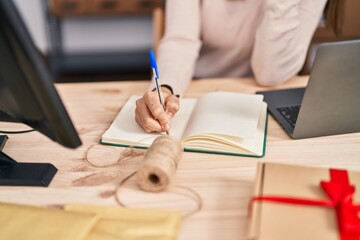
x=225, y=183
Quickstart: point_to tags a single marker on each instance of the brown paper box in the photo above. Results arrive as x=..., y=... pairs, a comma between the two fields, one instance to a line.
x=349, y=24
x=124, y=7
x=278, y=221
x=68, y=7
x=343, y=18
x=63, y=8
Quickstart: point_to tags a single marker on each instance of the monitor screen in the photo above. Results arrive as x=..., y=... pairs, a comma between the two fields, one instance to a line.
x=27, y=93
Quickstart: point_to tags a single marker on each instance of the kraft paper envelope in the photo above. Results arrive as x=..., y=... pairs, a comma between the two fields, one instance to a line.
x=131, y=224
x=81, y=222
x=29, y=223
x=278, y=221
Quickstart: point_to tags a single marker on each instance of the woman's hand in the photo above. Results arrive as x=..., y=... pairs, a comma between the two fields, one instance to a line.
x=151, y=116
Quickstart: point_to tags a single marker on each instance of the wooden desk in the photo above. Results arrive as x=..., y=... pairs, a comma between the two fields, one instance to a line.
x=224, y=182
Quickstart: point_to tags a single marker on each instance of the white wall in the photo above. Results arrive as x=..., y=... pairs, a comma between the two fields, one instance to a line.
x=107, y=34
x=33, y=16
x=89, y=34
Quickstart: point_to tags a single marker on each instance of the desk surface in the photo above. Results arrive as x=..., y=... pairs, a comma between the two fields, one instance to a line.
x=224, y=183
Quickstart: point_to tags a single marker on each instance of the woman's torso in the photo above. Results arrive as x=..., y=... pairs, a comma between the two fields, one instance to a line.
x=228, y=29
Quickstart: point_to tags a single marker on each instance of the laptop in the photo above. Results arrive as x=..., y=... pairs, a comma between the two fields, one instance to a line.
x=330, y=103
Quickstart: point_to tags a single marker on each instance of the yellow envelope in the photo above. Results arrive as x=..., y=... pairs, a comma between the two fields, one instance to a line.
x=130, y=224
x=29, y=223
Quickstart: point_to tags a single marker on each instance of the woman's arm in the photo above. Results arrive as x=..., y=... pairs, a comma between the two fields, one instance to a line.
x=177, y=54
x=179, y=48
x=283, y=38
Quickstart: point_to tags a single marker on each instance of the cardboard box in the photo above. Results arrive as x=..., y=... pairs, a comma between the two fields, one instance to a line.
x=63, y=8
x=279, y=221
x=349, y=24
x=343, y=17
x=125, y=7
x=68, y=7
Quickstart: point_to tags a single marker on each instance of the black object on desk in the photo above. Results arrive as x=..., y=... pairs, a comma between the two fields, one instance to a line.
x=3, y=139
x=28, y=96
x=13, y=173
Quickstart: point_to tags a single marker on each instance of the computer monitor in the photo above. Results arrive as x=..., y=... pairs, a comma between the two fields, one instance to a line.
x=27, y=95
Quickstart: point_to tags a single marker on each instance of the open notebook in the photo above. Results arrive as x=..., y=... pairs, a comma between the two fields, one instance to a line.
x=218, y=122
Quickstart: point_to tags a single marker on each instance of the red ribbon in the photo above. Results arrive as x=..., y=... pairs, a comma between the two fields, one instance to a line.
x=340, y=194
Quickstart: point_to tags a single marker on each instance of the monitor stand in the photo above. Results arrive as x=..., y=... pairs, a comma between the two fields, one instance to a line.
x=13, y=173
x=4, y=117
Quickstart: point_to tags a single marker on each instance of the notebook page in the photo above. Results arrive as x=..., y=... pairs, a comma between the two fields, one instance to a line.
x=226, y=113
x=125, y=130
x=226, y=143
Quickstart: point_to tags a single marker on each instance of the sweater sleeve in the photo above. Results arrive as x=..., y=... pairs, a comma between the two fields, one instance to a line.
x=283, y=38
x=179, y=48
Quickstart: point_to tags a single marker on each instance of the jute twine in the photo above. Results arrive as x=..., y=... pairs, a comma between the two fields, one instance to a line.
x=157, y=170
x=160, y=164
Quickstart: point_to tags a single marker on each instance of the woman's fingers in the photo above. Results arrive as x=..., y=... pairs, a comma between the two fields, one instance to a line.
x=144, y=117
x=151, y=115
x=158, y=112
x=172, y=105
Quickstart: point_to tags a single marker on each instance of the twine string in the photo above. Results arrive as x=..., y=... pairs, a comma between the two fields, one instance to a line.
x=158, y=168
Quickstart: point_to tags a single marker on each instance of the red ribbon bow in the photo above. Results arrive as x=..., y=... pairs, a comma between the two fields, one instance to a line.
x=340, y=194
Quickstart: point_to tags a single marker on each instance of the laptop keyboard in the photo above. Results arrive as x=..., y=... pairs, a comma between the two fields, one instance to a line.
x=290, y=113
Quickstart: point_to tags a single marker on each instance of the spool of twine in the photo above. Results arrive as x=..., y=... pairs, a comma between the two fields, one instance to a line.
x=160, y=164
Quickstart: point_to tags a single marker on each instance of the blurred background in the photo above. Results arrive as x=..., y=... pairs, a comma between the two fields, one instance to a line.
x=92, y=40
x=88, y=40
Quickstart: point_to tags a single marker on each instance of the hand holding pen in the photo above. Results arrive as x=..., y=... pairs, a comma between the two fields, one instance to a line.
x=155, y=72
x=156, y=108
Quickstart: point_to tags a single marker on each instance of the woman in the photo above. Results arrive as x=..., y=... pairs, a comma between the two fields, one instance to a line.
x=227, y=38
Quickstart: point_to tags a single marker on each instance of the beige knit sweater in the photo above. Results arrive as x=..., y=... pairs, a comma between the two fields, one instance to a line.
x=232, y=38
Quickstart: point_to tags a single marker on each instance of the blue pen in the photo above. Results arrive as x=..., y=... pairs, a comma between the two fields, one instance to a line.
x=156, y=78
